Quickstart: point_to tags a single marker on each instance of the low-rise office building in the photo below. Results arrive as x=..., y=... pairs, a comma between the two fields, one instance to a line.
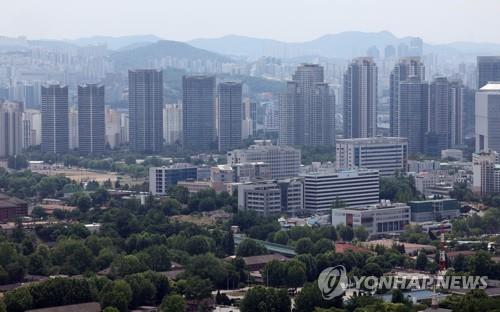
x=434, y=210
x=12, y=208
x=379, y=219
x=388, y=155
x=163, y=178
x=353, y=188
x=284, y=161
x=272, y=197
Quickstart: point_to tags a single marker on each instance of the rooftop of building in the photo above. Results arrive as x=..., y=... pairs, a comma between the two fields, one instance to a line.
x=82, y=307
x=384, y=204
x=491, y=86
x=374, y=140
x=7, y=201
x=329, y=169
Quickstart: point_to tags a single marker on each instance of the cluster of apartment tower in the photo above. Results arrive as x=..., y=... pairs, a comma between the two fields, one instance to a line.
x=429, y=114
x=211, y=117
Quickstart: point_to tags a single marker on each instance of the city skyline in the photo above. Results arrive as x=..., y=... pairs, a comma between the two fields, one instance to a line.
x=178, y=21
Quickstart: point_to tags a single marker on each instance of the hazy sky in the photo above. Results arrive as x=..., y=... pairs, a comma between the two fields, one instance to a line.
x=437, y=21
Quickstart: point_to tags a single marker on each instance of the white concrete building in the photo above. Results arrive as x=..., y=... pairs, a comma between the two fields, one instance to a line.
x=113, y=127
x=283, y=160
x=488, y=118
x=388, y=155
x=272, y=197
x=354, y=188
x=486, y=173
x=382, y=218
x=73, y=128
x=172, y=123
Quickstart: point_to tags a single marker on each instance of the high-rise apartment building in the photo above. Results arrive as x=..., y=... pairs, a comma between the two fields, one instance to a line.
x=172, y=123
x=198, y=112
x=91, y=129
x=11, y=128
x=488, y=70
x=488, y=118
x=112, y=128
x=55, y=126
x=230, y=118
x=307, y=109
x=145, y=110
x=73, y=128
x=458, y=100
x=439, y=116
x=405, y=68
x=388, y=155
x=249, y=127
x=413, y=113
x=360, y=99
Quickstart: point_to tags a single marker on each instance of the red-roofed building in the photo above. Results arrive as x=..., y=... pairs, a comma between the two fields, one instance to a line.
x=12, y=208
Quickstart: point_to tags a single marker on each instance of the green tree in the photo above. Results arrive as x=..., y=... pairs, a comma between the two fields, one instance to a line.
x=173, y=303
x=265, y=299
x=310, y=297
x=228, y=243
x=281, y=237
x=143, y=290
x=304, y=246
x=361, y=233
x=198, y=244
x=126, y=265
x=345, y=232
x=82, y=201
x=295, y=274
x=117, y=294
x=249, y=247
x=18, y=300
x=421, y=262
x=17, y=162
x=274, y=273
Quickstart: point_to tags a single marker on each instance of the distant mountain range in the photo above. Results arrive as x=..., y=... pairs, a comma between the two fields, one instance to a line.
x=341, y=45
x=117, y=43
x=140, y=49
x=145, y=55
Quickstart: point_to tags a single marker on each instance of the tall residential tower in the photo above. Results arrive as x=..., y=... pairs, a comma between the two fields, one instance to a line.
x=145, y=110
x=91, y=129
x=198, y=112
x=55, y=128
x=360, y=99
x=230, y=118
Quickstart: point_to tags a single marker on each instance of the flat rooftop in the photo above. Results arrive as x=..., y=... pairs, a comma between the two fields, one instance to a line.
x=491, y=86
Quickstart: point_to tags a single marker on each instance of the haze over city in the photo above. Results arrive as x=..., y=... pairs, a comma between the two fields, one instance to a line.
x=250, y=156
x=440, y=21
